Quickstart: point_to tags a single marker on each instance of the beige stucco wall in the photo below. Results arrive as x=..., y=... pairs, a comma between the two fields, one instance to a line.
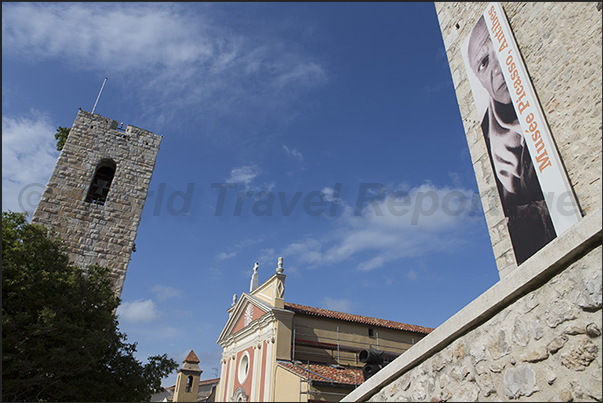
x=349, y=336
x=283, y=334
x=290, y=387
x=287, y=387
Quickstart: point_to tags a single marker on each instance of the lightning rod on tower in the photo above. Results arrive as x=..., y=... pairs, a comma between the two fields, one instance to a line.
x=99, y=94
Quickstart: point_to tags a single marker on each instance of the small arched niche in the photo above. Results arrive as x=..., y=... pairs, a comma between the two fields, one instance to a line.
x=189, y=384
x=101, y=182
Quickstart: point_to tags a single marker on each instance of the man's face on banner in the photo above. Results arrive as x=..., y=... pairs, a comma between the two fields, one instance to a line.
x=484, y=64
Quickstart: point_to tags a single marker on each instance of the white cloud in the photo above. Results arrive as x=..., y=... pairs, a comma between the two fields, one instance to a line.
x=245, y=243
x=138, y=311
x=300, y=74
x=175, y=60
x=306, y=251
x=303, y=247
x=224, y=255
x=267, y=255
x=101, y=34
x=246, y=175
x=381, y=232
x=164, y=292
x=28, y=158
x=293, y=153
x=330, y=195
x=374, y=263
x=340, y=305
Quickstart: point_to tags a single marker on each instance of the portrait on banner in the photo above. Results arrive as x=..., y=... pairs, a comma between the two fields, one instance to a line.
x=526, y=211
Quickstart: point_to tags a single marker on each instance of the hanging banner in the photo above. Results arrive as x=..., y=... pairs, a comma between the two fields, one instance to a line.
x=537, y=198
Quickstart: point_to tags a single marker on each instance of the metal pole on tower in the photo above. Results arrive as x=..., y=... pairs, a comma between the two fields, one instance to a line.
x=99, y=94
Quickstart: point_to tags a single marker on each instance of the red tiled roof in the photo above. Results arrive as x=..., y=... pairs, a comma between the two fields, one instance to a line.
x=365, y=320
x=191, y=357
x=325, y=373
x=201, y=383
x=209, y=381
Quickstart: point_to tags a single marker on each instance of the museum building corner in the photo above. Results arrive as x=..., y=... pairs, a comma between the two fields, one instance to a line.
x=535, y=334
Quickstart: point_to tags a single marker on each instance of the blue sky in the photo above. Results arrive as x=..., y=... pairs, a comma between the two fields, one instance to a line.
x=323, y=103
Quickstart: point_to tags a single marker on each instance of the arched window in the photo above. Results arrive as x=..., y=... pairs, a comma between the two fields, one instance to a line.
x=101, y=182
x=189, y=384
x=239, y=395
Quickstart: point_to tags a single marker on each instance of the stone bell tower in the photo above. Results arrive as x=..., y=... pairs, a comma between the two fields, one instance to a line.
x=95, y=196
x=187, y=382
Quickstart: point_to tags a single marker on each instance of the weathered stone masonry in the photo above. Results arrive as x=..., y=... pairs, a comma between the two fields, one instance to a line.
x=536, y=334
x=95, y=233
x=561, y=47
x=546, y=345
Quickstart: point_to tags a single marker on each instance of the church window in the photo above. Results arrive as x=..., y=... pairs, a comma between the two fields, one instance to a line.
x=189, y=384
x=243, y=368
x=101, y=182
x=239, y=395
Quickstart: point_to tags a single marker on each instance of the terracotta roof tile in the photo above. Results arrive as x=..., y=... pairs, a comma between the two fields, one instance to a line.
x=201, y=383
x=191, y=357
x=209, y=381
x=365, y=320
x=325, y=373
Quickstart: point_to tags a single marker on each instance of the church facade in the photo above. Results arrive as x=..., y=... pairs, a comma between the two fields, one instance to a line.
x=275, y=350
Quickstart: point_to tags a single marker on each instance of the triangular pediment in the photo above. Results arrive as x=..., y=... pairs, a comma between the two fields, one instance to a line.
x=247, y=310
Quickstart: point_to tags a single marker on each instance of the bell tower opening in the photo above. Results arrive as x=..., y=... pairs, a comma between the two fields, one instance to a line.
x=101, y=182
x=189, y=383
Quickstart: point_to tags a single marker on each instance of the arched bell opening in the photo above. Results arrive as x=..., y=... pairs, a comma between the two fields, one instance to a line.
x=101, y=182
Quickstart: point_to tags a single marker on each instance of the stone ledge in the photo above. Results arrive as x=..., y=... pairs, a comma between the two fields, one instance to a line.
x=578, y=239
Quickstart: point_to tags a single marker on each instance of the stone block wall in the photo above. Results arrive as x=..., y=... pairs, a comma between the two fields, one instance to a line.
x=94, y=233
x=561, y=47
x=536, y=334
x=533, y=336
x=546, y=345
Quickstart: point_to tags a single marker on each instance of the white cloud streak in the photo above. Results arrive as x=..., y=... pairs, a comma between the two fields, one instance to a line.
x=164, y=292
x=174, y=64
x=293, y=153
x=340, y=305
x=243, y=244
x=246, y=175
x=99, y=35
x=139, y=311
x=28, y=158
x=243, y=175
x=379, y=235
x=224, y=255
x=177, y=61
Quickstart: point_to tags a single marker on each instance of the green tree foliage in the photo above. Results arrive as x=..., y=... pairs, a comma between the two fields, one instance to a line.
x=60, y=338
x=61, y=137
